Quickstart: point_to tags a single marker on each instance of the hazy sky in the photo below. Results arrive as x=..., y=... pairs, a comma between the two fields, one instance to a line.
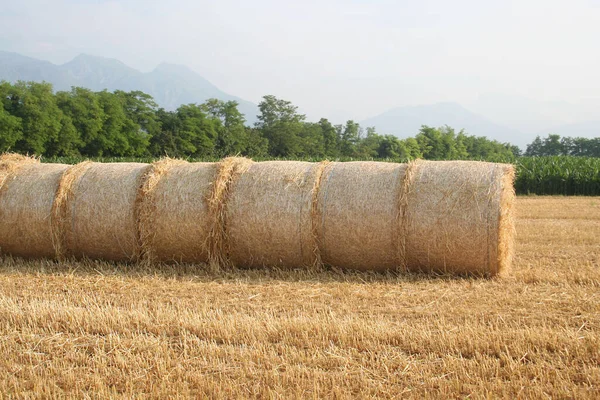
x=333, y=58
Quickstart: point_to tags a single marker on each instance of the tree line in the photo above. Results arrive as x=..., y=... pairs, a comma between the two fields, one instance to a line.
x=81, y=122
x=554, y=145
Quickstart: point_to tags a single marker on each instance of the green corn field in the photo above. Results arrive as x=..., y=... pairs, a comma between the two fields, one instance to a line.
x=561, y=175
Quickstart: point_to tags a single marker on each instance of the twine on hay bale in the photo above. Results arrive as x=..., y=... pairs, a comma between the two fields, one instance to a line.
x=173, y=212
x=316, y=215
x=459, y=217
x=269, y=215
x=228, y=171
x=61, y=215
x=26, y=199
x=97, y=211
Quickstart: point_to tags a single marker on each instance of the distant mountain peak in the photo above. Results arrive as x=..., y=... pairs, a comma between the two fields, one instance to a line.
x=87, y=59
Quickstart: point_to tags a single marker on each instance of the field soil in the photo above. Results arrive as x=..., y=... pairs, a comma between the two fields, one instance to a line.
x=96, y=330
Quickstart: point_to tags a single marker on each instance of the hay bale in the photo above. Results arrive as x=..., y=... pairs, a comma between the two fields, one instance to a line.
x=26, y=199
x=430, y=216
x=173, y=215
x=269, y=215
x=459, y=217
x=99, y=203
x=358, y=214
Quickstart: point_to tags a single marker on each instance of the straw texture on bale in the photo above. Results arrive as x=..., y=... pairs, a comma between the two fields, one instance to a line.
x=459, y=217
x=269, y=215
x=173, y=212
x=26, y=200
x=447, y=216
x=357, y=219
x=99, y=210
x=10, y=163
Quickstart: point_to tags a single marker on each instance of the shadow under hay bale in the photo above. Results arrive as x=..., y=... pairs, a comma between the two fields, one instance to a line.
x=26, y=199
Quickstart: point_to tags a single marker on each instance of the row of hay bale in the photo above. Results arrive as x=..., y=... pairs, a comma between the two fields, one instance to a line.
x=433, y=216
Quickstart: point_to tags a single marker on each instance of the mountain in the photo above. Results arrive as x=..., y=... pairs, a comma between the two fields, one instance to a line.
x=406, y=121
x=14, y=67
x=170, y=85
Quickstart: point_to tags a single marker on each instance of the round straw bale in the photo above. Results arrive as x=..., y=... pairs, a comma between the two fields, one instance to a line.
x=358, y=214
x=174, y=218
x=100, y=212
x=268, y=215
x=459, y=217
x=26, y=210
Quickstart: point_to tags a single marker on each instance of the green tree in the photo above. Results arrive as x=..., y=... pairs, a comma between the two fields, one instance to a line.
x=197, y=132
x=413, y=150
x=167, y=142
x=368, y=146
x=232, y=138
x=142, y=122
x=331, y=140
x=87, y=116
x=256, y=144
x=534, y=148
x=68, y=142
x=10, y=130
x=281, y=124
x=312, y=142
x=35, y=105
x=350, y=136
x=552, y=146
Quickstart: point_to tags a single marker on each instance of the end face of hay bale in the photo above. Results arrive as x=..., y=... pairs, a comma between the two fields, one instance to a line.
x=26, y=202
x=174, y=217
x=269, y=215
x=506, y=221
x=358, y=221
x=452, y=217
x=101, y=218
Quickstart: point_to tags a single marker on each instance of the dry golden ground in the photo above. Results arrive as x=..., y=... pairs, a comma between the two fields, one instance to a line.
x=104, y=330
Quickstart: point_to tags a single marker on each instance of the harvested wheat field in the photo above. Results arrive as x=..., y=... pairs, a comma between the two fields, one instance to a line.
x=100, y=329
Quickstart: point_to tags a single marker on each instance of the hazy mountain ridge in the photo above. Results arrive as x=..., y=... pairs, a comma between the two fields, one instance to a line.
x=170, y=85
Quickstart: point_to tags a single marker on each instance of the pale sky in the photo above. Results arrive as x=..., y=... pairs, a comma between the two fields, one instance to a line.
x=333, y=58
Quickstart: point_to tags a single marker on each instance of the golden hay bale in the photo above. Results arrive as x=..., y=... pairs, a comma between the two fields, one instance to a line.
x=99, y=210
x=26, y=201
x=269, y=215
x=173, y=214
x=459, y=217
x=358, y=214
